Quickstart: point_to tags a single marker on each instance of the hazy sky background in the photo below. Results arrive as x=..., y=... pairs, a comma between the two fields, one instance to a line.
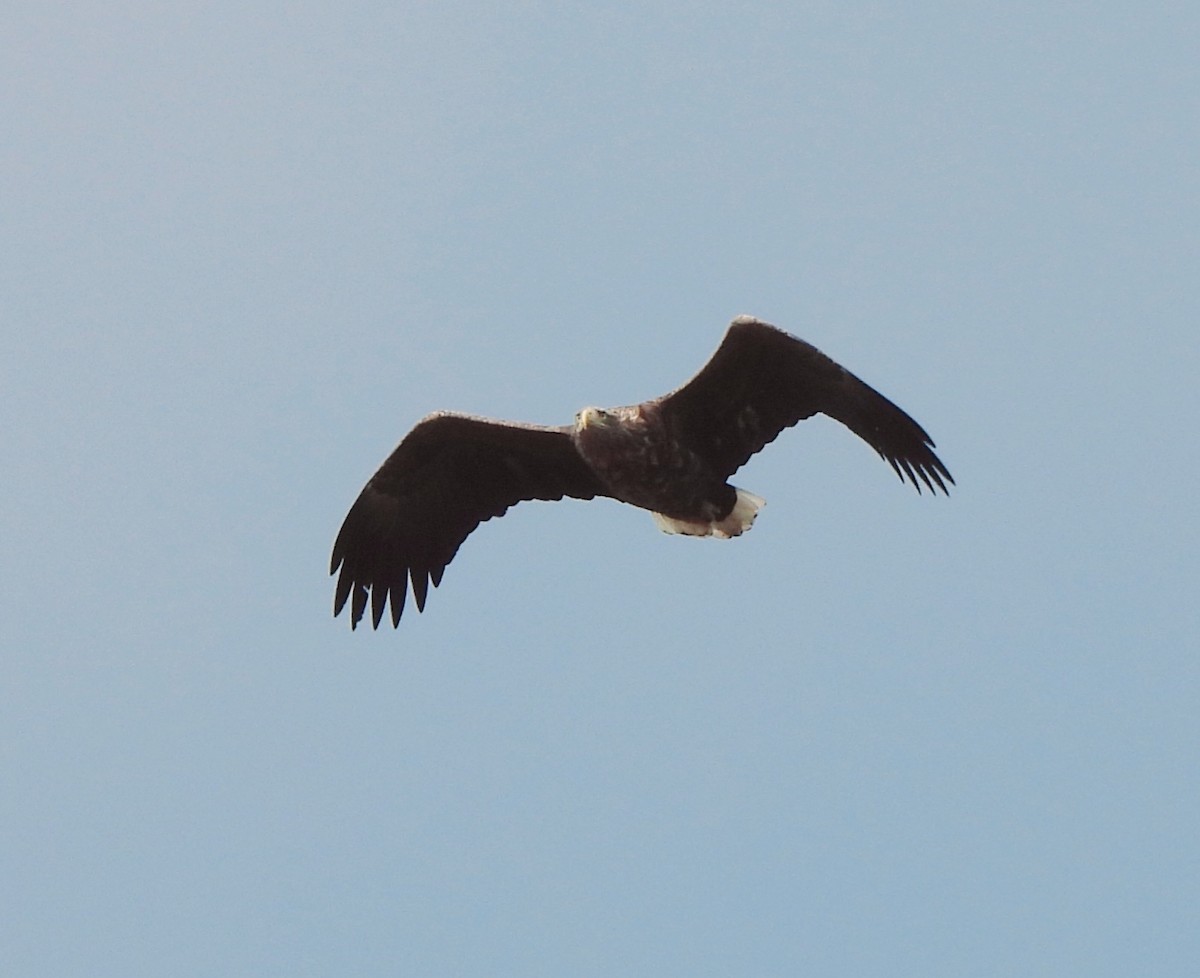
x=244, y=250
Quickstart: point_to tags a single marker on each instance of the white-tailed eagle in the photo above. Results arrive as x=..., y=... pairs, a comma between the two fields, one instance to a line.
x=672, y=456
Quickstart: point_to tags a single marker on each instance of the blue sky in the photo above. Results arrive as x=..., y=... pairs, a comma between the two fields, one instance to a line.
x=244, y=250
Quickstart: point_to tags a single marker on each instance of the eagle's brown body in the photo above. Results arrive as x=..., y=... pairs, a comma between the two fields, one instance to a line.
x=638, y=461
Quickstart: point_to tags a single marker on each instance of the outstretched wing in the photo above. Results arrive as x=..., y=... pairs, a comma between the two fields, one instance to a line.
x=762, y=380
x=449, y=474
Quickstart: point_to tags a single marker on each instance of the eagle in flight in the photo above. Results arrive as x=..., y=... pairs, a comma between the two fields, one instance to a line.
x=672, y=456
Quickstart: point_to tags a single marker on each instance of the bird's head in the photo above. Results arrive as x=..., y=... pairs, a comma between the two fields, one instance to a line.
x=591, y=417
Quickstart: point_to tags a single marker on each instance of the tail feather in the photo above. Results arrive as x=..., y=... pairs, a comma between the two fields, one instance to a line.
x=739, y=520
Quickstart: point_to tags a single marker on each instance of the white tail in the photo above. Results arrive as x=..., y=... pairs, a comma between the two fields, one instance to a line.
x=739, y=520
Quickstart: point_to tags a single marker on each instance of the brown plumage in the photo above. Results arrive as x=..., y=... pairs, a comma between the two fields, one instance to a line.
x=672, y=456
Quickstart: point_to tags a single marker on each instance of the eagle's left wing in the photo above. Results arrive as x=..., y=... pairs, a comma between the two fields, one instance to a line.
x=762, y=380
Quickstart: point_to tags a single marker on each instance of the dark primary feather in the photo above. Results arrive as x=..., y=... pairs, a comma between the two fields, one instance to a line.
x=762, y=380
x=450, y=473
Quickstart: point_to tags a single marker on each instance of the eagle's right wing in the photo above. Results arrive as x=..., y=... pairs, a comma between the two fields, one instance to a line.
x=449, y=474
